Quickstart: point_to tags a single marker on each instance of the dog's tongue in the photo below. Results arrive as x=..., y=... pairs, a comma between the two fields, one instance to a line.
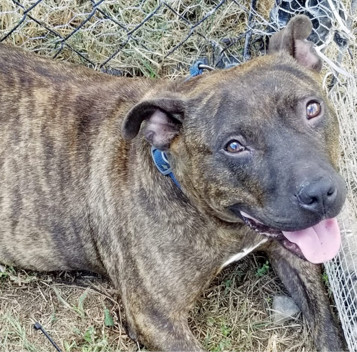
x=318, y=243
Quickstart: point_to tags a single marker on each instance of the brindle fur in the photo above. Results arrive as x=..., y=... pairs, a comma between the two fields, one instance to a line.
x=75, y=195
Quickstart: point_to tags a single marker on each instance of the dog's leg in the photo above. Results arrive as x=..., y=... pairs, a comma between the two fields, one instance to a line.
x=303, y=280
x=158, y=329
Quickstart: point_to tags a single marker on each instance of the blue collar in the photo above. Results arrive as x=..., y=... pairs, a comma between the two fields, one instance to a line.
x=162, y=164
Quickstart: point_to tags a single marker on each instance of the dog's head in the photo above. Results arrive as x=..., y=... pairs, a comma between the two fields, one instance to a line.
x=257, y=143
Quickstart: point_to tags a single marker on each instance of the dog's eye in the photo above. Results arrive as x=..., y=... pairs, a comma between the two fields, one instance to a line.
x=234, y=146
x=313, y=109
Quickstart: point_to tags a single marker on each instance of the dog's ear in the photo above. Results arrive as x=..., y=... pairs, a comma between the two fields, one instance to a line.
x=163, y=121
x=293, y=40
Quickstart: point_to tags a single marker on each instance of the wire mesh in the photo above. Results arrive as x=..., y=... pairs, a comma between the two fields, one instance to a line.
x=163, y=38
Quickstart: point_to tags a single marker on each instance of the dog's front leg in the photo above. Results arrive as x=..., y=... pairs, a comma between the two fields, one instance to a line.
x=157, y=328
x=303, y=280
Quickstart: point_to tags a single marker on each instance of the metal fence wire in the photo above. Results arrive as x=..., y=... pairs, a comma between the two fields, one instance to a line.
x=164, y=38
x=159, y=37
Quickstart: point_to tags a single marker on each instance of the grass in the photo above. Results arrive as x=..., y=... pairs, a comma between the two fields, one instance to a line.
x=82, y=312
x=263, y=270
x=76, y=316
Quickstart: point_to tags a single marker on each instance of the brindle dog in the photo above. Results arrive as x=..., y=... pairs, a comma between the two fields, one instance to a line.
x=253, y=148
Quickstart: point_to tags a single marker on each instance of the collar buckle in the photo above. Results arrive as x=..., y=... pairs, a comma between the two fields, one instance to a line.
x=162, y=164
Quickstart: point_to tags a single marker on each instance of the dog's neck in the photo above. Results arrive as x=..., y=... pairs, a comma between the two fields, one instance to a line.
x=162, y=164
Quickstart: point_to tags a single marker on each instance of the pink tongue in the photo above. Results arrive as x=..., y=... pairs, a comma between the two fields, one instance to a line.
x=318, y=243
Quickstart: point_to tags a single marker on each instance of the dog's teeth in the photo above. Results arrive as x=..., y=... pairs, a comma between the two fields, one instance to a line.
x=261, y=229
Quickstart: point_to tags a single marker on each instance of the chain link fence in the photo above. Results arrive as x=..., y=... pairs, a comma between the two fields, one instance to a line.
x=152, y=38
x=156, y=38
x=164, y=38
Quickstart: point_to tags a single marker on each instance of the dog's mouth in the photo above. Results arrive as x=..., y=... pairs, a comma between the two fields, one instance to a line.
x=317, y=244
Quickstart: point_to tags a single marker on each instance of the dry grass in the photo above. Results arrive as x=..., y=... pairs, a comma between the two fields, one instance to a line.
x=233, y=313
x=143, y=52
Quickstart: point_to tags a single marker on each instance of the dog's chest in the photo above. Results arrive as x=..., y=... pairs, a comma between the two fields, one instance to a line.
x=242, y=253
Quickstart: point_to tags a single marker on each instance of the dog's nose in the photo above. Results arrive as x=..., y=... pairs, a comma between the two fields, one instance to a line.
x=317, y=196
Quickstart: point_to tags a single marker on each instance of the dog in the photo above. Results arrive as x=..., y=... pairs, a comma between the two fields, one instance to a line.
x=160, y=184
